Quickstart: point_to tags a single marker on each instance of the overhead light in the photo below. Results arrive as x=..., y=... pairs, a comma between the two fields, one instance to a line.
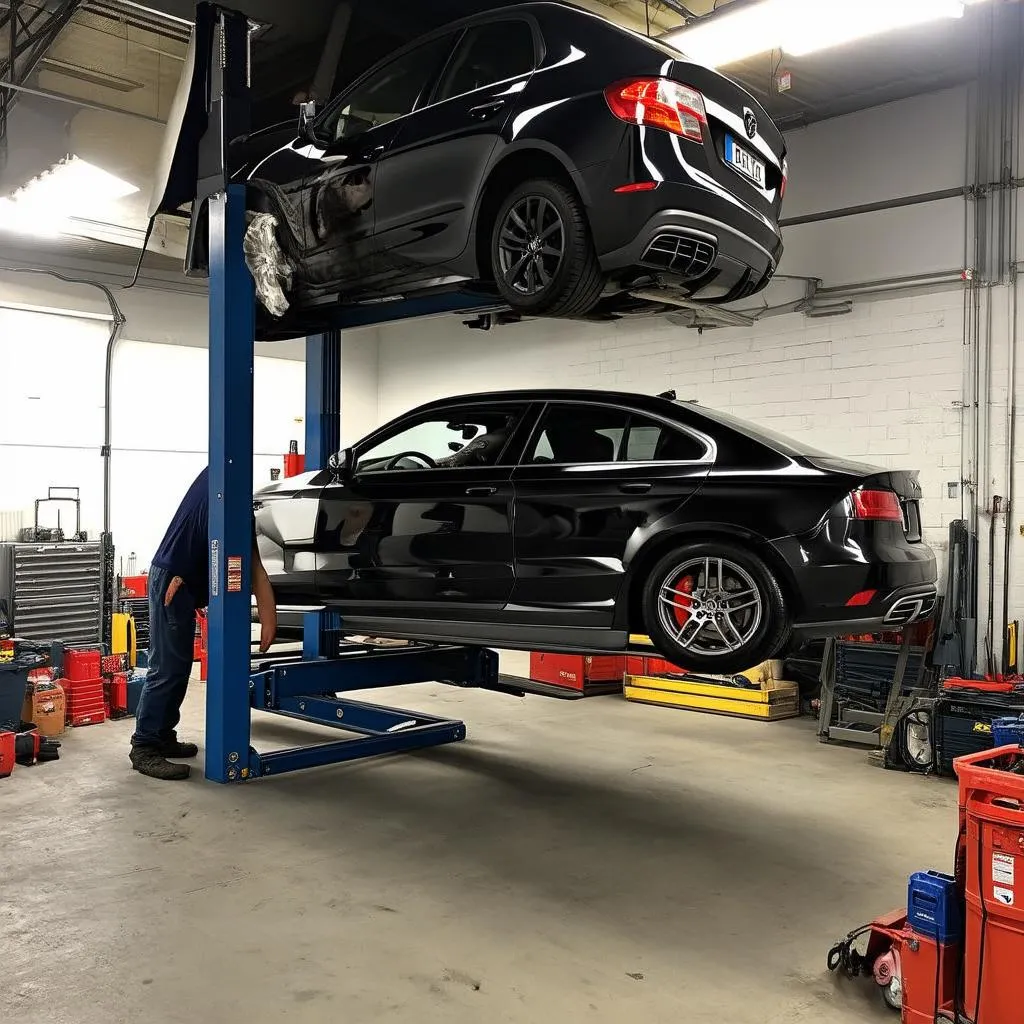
x=72, y=187
x=800, y=27
x=90, y=75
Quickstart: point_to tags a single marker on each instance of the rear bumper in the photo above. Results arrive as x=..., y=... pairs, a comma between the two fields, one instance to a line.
x=718, y=261
x=900, y=607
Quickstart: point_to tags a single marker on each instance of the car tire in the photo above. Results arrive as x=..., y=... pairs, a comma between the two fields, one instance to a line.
x=561, y=278
x=725, y=634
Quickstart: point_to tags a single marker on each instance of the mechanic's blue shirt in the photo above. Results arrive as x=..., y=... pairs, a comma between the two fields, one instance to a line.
x=185, y=549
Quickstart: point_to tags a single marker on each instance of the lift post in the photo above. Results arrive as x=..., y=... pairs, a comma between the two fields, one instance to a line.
x=213, y=102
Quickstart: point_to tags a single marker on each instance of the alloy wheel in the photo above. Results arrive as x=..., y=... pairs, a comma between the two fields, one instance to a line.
x=710, y=606
x=531, y=245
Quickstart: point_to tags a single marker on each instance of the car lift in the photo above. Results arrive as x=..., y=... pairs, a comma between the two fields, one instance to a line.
x=216, y=84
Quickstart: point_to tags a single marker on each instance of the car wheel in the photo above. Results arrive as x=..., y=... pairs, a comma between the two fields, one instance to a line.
x=542, y=253
x=715, y=607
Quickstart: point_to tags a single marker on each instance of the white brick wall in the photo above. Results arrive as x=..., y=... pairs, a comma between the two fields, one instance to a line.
x=877, y=385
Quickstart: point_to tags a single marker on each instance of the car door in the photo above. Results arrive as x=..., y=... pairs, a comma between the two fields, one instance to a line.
x=425, y=516
x=590, y=477
x=346, y=146
x=432, y=175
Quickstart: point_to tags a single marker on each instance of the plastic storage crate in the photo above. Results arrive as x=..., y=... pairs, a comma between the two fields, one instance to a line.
x=1009, y=730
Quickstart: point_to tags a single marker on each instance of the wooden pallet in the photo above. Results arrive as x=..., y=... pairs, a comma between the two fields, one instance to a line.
x=771, y=702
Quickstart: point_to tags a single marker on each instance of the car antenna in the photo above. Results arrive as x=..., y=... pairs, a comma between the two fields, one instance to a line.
x=670, y=395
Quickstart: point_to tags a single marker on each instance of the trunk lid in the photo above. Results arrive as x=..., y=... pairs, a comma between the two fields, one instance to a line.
x=905, y=483
x=732, y=114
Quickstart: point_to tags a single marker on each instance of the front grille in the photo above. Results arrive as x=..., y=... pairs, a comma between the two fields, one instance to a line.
x=684, y=255
x=911, y=609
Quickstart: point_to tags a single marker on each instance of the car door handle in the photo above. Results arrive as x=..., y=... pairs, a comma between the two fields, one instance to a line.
x=370, y=154
x=481, y=492
x=637, y=488
x=486, y=109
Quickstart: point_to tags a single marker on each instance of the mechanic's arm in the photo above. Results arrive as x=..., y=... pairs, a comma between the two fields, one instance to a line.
x=266, y=606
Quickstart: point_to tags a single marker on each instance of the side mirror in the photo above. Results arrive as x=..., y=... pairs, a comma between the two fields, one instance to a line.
x=341, y=464
x=307, y=111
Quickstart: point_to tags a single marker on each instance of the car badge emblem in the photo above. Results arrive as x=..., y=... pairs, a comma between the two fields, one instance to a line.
x=749, y=122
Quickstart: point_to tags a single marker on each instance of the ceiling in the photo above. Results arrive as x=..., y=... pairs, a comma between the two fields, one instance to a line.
x=110, y=75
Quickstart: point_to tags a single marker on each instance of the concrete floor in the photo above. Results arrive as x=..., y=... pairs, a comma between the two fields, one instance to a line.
x=590, y=861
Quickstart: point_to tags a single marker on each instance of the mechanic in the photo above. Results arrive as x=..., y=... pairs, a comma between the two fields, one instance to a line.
x=179, y=583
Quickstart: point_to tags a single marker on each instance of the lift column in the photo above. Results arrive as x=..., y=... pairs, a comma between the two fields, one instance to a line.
x=323, y=439
x=232, y=329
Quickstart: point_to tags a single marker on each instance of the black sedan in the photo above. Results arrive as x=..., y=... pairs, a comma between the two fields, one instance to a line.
x=538, y=154
x=569, y=520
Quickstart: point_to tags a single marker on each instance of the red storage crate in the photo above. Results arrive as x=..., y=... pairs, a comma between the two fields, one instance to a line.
x=578, y=672
x=82, y=664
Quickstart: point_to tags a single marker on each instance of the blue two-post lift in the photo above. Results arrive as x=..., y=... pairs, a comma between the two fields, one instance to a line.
x=215, y=95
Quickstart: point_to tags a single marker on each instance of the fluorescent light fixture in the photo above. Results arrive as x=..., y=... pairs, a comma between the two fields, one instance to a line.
x=72, y=187
x=800, y=27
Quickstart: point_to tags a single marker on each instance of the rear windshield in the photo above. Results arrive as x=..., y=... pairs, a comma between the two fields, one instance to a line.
x=780, y=442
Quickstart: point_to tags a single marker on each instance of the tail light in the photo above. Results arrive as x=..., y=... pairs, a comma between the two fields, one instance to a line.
x=659, y=103
x=884, y=505
x=785, y=178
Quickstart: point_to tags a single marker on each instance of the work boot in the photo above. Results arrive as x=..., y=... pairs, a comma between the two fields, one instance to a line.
x=150, y=761
x=173, y=747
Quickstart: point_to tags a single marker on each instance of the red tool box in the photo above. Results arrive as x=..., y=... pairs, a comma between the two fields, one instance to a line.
x=644, y=665
x=992, y=861
x=6, y=754
x=134, y=586
x=82, y=664
x=116, y=695
x=583, y=673
x=85, y=701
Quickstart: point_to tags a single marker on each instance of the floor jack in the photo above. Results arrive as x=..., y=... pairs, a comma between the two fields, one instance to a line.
x=915, y=973
x=955, y=953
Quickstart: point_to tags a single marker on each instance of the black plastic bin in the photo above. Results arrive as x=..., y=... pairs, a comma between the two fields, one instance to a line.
x=14, y=686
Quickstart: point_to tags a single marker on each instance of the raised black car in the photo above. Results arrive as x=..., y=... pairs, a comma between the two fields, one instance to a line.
x=538, y=154
x=568, y=520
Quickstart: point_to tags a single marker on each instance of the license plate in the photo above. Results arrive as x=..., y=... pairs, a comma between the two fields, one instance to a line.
x=744, y=162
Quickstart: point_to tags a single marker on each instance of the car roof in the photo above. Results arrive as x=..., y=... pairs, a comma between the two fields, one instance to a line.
x=555, y=395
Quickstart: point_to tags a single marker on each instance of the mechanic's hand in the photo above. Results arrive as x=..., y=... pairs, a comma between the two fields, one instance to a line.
x=172, y=588
x=268, y=629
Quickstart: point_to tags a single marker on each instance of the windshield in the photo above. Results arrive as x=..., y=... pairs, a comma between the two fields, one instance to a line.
x=780, y=442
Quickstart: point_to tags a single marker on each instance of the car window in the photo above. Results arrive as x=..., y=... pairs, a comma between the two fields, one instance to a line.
x=446, y=440
x=488, y=54
x=579, y=434
x=396, y=89
x=650, y=441
x=763, y=435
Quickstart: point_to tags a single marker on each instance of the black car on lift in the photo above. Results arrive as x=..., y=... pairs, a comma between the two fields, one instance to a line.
x=538, y=153
x=570, y=519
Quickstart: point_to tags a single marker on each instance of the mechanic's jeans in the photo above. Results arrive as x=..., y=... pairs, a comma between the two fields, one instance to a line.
x=172, y=631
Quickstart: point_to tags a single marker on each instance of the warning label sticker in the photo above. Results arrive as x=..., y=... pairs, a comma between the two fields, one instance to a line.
x=1004, y=896
x=235, y=579
x=214, y=567
x=1002, y=868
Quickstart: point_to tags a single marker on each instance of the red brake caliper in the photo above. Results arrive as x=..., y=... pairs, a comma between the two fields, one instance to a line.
x=680, y=603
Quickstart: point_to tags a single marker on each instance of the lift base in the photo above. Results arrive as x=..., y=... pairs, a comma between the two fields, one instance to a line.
x=309, y=691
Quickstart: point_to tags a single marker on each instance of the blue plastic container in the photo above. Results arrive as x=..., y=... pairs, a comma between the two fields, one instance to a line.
x=933, y=907
x=135, y=683
x=1008, y=730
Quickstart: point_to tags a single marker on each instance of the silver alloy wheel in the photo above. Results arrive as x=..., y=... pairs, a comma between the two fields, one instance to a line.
x=710, y=606
x=531, y=245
